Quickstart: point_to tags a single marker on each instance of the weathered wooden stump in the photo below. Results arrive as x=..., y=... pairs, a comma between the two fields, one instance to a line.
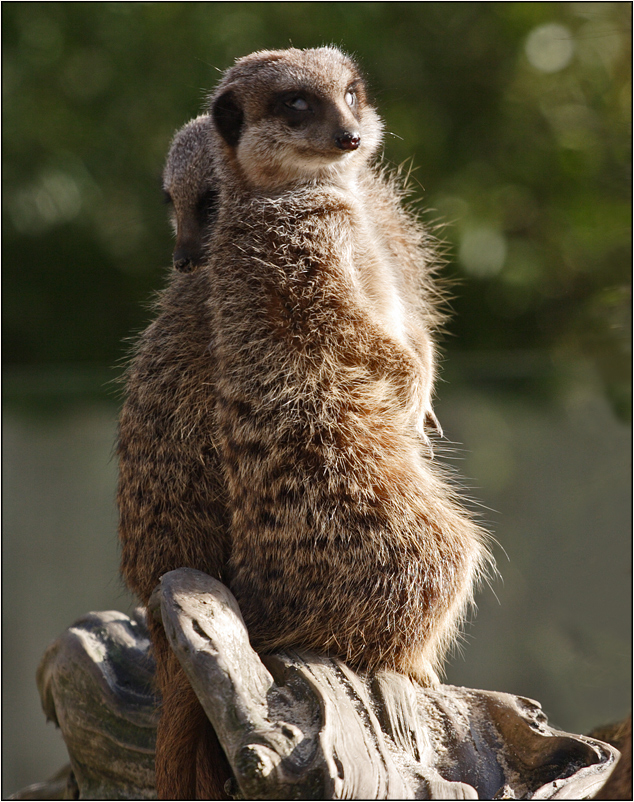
x=95, y=683
x=296, y=725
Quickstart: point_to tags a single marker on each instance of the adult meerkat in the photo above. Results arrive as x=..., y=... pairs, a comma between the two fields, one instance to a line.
x=345, y=537
x=310, y=397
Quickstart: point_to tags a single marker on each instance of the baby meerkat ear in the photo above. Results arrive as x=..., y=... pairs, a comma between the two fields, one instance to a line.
x=228, y=117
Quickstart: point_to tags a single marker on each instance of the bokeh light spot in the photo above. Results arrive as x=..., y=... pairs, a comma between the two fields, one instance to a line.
x=549, y=48
x=482, y=251
x=55, y=198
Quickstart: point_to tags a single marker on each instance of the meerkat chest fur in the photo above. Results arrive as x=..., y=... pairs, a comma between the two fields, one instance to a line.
x=375, y=267
x=318, y=324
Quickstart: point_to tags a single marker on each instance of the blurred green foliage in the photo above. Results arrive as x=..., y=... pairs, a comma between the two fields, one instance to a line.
x=517, y=116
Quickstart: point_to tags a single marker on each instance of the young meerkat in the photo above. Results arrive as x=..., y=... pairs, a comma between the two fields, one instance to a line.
x=171, y=489
x=272, y=431
x=345, y=537
x=189, y=187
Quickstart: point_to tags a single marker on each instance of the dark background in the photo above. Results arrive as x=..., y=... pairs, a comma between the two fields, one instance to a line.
x=517, y=119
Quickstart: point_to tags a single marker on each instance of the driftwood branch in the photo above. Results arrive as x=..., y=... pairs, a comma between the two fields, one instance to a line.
x=305, y=726
x=295, y=725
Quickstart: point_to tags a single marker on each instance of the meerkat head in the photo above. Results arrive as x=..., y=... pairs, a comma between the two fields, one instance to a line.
x=295, y=116
x=188, y=184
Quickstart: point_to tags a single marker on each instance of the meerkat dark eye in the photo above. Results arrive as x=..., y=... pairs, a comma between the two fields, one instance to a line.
x=207, y=207
x=167, y=198
x=350, y=97
x=298, y=103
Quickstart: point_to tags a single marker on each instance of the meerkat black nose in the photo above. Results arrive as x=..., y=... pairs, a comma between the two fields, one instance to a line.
x=183, y=265
x=184, y=261
x=347, y=140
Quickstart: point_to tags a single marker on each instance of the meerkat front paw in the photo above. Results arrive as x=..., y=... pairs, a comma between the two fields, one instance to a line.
x=421, y=670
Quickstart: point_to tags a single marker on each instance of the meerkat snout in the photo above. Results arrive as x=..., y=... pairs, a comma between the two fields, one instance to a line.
x=186, y=257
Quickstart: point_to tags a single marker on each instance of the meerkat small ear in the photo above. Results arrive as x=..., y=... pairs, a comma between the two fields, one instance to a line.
x=228, y=117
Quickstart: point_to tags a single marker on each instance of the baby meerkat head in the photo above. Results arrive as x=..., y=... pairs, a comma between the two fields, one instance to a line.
x=295, y=116
x=188, y=184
